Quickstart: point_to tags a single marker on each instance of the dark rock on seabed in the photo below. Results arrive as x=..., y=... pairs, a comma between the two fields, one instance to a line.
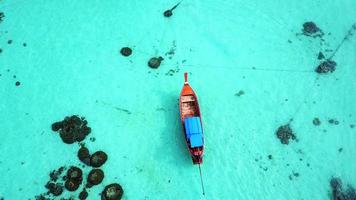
x=112, y=192
x=71, y=185
x=73, y=179
x=126, y=51
x=326, y=67
x=321, y=56
x=240, y=93
x=84, y=155
x=83, y=194
x=316, y=121
x=95, y=177
x=169, y=12
x=312, y=30
x=75, y=174
x=98, y=159
x=2, y=15
x=284, y=133
x=155, y=62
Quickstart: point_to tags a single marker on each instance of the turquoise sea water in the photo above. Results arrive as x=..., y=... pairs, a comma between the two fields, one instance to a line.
x=71, y=65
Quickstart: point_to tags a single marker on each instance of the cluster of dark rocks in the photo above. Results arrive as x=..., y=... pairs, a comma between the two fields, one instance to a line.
x=317, y=122
x=285, y=133
x=55, y=185
x=333, y=121
x=95, y=160
x=72, y=129
x=338, y=193
x=155, y=61
x=75, y=129
x=327, y=65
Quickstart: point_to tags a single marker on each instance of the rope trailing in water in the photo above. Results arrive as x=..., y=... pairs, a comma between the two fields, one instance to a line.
x=201, y=180
x=347, y=36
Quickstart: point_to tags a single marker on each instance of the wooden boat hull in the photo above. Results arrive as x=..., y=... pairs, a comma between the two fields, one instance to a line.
x=189, y=107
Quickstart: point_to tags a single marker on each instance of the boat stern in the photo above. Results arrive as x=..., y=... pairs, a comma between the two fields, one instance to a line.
x=197, y=155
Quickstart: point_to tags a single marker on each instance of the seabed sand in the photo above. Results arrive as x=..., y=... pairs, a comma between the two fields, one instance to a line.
x=71, y=64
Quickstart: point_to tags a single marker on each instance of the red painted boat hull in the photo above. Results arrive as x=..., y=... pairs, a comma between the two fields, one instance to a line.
x=189, y=107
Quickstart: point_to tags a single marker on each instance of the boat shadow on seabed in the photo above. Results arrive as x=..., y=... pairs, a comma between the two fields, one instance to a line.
x=177, y=151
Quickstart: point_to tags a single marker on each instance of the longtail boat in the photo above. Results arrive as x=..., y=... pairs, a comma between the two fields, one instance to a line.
x=192, y=124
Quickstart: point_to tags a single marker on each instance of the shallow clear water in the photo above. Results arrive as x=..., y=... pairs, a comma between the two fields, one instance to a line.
x=71, y=65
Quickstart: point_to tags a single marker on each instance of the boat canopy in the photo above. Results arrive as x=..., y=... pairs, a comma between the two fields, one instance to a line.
x=193, y=131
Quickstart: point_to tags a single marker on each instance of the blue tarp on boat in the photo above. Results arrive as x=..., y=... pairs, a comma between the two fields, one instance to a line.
x=193, y=131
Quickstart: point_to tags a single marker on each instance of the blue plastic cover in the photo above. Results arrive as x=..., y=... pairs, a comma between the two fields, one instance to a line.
x=196, y=140
x=193, y=131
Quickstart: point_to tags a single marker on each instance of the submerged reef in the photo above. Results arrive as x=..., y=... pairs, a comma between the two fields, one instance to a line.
x=72, y=129
x=126, y=51
x=337, y=192
x=284, y=133
x=326, y=67
x=112, y=192
x=312, y=30
x=155, y=62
